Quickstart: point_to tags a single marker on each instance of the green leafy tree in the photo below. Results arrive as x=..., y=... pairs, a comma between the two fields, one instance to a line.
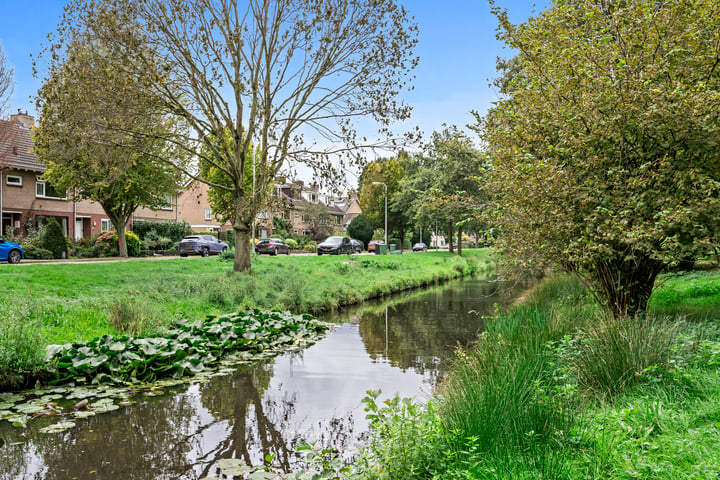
x=605, y=146
x=361, y=228
x=83, y=102
x=269, y=72
x=444, y=187
x=318, y=221
x=391, y=172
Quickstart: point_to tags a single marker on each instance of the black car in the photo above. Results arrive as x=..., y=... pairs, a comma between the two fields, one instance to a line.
x=419, y=247
x=272, y=246
x=357, y=245
x=201, y=245
x=335, y=246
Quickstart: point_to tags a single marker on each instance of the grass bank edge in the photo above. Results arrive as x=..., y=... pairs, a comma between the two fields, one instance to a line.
x=46, y=304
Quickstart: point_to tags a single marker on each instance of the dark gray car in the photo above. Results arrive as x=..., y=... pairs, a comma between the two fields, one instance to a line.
x=203, y=245
x=335, y=246
x=273, y=246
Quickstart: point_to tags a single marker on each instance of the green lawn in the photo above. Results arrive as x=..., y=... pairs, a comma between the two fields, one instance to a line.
x=62, y=302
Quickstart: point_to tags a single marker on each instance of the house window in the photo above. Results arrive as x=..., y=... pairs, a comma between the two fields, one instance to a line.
x=14, y=180
x=105, y=225
x=304, y=218
x=306, y=232
x=208, y=214
x=168, y=199
x=45, y=190
x=338, y=220
x=313, y=198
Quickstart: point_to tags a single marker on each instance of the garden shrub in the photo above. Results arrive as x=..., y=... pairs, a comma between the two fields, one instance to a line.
x=175, y=231
x=105, y=245
x=33, y=252
x=133, y=244
x=291, y=243
x=53, y=238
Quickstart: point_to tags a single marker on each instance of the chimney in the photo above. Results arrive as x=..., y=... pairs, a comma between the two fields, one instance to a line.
x=27, y=121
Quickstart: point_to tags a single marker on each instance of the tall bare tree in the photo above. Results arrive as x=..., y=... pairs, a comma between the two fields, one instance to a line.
x=291, y=78
x=6, y=89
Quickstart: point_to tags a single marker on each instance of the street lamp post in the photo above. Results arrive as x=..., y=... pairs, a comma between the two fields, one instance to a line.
x=386, y=240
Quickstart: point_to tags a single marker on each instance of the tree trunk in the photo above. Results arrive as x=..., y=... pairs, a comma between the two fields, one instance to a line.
x=450, y=241
x=625, y=285
x=459, y=244
x=242, y=247
x=119, y=224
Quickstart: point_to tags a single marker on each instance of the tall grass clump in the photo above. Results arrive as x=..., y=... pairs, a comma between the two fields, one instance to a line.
x=616, y=353
x=133, y=317
x=502, y=391
x=21, y=342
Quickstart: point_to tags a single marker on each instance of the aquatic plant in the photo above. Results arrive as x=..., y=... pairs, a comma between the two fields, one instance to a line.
x=187, y=349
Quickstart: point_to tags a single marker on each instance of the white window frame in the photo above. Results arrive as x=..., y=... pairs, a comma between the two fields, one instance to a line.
x=42, y=183
x=17, y=183
x=208, y=214
x=105, y=225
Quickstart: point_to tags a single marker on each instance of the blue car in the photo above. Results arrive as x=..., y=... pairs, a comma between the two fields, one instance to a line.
x=10, y=251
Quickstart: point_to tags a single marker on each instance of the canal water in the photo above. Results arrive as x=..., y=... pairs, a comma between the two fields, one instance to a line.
x=403, y=345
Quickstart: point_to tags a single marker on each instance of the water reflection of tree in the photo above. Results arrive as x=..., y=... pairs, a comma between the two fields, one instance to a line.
x=251, y=434
x=262, y=423
x=422, y=332
x=151, y=439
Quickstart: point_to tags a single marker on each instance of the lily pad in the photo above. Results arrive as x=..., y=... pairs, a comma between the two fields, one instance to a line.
x=84, y=414
x=30, y=408
x=11, y=397
x=57, y=427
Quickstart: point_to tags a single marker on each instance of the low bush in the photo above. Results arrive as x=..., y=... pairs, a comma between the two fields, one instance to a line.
x=291, y=243
x=105, y=244
x=133, y=244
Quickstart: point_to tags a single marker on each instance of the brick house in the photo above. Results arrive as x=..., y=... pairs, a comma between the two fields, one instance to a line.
x=27, y=200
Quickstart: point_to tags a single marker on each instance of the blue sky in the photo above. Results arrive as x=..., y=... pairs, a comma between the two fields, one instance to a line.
x=457, y=52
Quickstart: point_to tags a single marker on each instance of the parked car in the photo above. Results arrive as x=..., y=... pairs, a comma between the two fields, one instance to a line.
x=201, y=245
x=11, y=251
x=357, y=245
x=272, y=246
x=419, y=247
x=335, y=246
x=373, y=243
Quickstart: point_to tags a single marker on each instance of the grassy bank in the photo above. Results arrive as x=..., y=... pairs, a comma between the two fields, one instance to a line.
x=555, y=390
x=44, y=304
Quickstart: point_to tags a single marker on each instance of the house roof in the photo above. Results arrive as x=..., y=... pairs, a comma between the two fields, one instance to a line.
x=16, y=147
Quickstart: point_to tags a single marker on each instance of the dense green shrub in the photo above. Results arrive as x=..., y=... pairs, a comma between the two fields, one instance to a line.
x=53, y=238
x=175, y=231
x=228, y=236
x=37, y=253
x=291, y=243
x=361, y=229
x=133, y=244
